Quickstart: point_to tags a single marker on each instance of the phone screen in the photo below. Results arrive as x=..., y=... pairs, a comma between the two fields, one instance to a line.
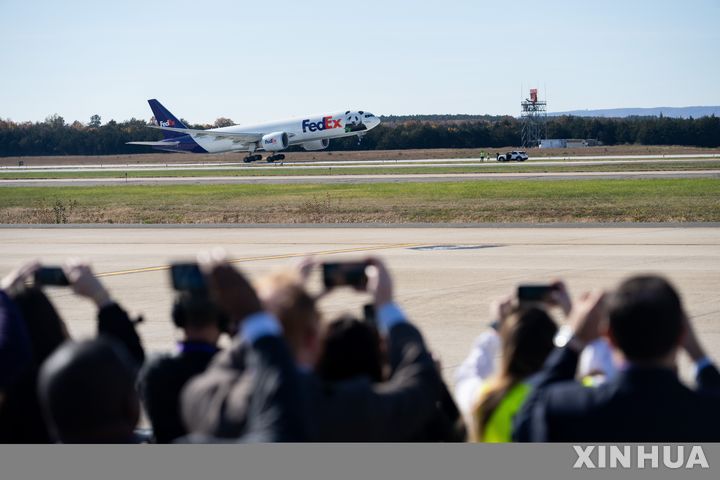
x=51, y=276
x=534, y=293
x=339, y=274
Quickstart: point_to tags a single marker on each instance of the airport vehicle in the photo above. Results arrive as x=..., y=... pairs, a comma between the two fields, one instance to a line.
x=313, y=132
x=510, y=156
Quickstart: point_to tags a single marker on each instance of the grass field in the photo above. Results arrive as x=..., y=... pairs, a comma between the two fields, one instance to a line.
x=651, y=200
x=619, y=166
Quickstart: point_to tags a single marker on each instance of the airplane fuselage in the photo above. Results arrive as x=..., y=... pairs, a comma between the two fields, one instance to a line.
x=311, y=132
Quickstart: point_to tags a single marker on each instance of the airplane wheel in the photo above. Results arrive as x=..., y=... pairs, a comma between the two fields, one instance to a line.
x=246, y=160
x=280, y=157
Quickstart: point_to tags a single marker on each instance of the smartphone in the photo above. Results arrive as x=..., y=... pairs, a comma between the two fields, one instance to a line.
x=187, y=277
x=51, y=276
x=340, y=274
x=534, y=293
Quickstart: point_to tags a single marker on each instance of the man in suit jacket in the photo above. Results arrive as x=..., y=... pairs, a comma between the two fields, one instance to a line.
x=163, y=376
x=216, y=403
x=646, y=402
x=273, y=414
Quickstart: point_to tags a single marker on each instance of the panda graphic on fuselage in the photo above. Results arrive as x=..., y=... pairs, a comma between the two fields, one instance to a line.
x=354, y=122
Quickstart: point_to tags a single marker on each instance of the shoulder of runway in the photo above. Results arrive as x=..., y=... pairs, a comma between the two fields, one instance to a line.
x=361, y=225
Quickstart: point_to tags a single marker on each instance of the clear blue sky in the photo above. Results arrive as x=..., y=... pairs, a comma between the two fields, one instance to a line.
x=255, y=61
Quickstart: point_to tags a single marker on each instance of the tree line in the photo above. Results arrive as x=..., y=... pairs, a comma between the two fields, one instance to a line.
x=54, y=136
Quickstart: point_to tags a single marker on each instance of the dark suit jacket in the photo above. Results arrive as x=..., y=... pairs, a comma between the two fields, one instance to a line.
x=15, y=349
x=217, y=402
x=160, y=382
x=639, y=405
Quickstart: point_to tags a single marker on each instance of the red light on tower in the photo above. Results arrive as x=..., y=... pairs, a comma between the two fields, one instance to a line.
x=533, y=95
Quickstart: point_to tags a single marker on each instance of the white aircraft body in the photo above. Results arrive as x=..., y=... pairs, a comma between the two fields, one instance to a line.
x=311, y=133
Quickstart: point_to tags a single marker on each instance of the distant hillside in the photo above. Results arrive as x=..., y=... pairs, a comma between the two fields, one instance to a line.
x=673, y=112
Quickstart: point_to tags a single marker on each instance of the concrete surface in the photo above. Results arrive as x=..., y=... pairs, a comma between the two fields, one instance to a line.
x=445, y=277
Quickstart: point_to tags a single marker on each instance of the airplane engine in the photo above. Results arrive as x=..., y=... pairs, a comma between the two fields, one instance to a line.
x=275, y=141
x=321, y=144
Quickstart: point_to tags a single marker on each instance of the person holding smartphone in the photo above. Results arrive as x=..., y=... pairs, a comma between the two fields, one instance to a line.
x=397, y=409
x=21, y=419
x=163, y=376
x=492, y=382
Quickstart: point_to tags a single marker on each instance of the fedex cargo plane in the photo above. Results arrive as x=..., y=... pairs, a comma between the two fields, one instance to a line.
x=311, y=133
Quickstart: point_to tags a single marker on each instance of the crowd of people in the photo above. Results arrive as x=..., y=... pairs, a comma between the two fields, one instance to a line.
x=290, y=374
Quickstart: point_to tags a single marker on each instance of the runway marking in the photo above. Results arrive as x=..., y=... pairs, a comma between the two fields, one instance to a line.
x=271, y=257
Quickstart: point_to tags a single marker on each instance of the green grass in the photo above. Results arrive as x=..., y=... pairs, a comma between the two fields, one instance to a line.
x=650, y=200
x=365, y=170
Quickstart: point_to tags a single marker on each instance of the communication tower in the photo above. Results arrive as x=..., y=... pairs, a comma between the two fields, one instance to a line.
x=534, y=120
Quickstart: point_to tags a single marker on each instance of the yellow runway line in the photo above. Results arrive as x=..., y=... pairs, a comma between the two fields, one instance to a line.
x=272, y=257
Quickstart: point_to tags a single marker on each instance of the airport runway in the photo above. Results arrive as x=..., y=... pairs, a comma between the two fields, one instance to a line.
x=445, y=277
x=398, y=163
x=373, y=178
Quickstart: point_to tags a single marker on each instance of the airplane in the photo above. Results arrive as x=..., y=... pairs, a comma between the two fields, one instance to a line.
x=311, y=133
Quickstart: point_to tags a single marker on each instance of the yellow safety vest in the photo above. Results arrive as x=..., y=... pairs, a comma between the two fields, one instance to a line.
x=498, y=428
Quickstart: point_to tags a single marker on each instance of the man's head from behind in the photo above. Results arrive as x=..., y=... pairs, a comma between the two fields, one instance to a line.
x=646, y=319
x=284, y=295
x=87, y=391
x=198, y=316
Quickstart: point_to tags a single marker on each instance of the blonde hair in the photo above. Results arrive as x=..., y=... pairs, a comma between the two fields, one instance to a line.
x=283, y=294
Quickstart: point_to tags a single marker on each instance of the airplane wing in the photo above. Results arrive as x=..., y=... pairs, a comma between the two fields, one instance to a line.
x=155, y=144
x=239, y=137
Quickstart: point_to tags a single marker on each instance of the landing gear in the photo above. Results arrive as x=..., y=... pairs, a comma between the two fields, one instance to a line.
x=273, y=158
x=252, y=158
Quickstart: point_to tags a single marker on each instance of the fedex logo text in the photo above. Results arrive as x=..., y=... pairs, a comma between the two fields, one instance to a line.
x=168, y=123
x=325, y=124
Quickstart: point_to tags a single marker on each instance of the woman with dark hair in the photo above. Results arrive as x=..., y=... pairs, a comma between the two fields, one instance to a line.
x=494, y=379
x=351, y=348
x=21, y=419
x=526, y=338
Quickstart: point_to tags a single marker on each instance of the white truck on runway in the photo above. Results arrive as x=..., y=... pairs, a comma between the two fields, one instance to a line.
x=510, y=156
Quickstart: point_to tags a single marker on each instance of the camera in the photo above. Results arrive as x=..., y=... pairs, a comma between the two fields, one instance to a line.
x=54, y=276
x=187, y=277
x=341, y=274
